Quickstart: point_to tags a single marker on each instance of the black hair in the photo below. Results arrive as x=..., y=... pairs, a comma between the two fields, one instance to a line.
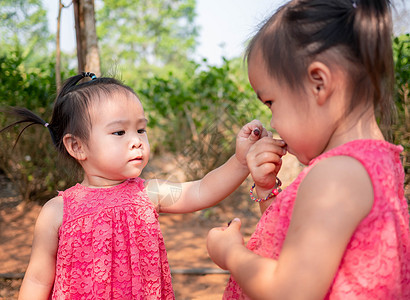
x=71, y=108
x=359, y=33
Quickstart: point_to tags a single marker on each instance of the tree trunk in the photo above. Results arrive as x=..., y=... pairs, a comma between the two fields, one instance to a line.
x=58, y=49
x=87, y=44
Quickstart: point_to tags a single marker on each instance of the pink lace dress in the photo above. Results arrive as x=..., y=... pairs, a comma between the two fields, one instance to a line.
x=376, y=263
x=111, y=245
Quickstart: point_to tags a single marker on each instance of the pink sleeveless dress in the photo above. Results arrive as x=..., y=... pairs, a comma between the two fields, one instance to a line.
x=111, y=245
x=376, y=263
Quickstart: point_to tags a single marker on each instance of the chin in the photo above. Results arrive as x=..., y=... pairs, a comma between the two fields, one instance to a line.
x=303, y=160
x=137, y=174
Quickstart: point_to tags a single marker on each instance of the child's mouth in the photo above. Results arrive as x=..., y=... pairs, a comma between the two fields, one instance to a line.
x=137, y=158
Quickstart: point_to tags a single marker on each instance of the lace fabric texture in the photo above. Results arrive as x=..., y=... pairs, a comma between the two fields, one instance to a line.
x=376, y=263
x=111, y=245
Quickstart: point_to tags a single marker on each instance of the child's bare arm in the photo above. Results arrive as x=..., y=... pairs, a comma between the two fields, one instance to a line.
x=195, y=195
x=214, y=187
x=39, y=278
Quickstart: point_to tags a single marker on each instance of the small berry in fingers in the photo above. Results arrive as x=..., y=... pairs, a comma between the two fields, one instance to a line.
x=256, y=132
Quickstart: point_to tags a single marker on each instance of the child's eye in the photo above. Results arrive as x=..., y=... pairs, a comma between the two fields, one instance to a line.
x=268, y=103
x=141, y=131
x=121, y=132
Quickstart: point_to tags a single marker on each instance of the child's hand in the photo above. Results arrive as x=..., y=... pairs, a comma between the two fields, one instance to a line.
x=247, y=136
x=264, y=162
x=221, y=239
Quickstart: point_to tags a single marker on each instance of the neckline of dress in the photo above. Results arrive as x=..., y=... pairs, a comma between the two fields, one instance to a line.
x=382, y=143
x=120, y=185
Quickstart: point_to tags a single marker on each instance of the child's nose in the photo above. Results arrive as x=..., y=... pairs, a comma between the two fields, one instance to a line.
x=136, y=142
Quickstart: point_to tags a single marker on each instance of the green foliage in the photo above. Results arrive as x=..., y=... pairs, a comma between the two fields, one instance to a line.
x=401, y=128
x=31, y=164
x=198, y=115
x=27, y=89
x=146, y=36
x=23, y=23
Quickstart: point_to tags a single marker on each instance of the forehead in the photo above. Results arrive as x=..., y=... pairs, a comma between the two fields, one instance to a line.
x=256, y=62
x=257, y=71
x=116, y=105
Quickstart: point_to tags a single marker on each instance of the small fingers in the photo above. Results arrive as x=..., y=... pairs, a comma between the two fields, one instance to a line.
x=255, y=134
x=255, y=123
x=267, y=157
x=236, y=221
x=256, y=130
x=265, y=133
x=279, y=142
x=267, y=144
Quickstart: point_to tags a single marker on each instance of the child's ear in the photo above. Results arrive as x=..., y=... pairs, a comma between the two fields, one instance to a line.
x=320, y=81
x=74, y=146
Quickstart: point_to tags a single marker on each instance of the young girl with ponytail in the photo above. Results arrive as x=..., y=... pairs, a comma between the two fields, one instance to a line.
x=341, y=230
x=101, y=238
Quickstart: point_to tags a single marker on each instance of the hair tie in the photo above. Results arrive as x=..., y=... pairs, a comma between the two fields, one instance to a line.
x=46, y=125
x=354, y=3
x=89, y=74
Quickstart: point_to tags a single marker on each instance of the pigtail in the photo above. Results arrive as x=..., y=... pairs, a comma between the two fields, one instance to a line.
x=373, y=37
x=24, y=115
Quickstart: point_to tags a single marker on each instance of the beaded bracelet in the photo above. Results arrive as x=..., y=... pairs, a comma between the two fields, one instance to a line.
x=276, y=190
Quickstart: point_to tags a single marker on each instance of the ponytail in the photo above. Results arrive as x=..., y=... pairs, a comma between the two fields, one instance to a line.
x=373, y=36
x=26, y=116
